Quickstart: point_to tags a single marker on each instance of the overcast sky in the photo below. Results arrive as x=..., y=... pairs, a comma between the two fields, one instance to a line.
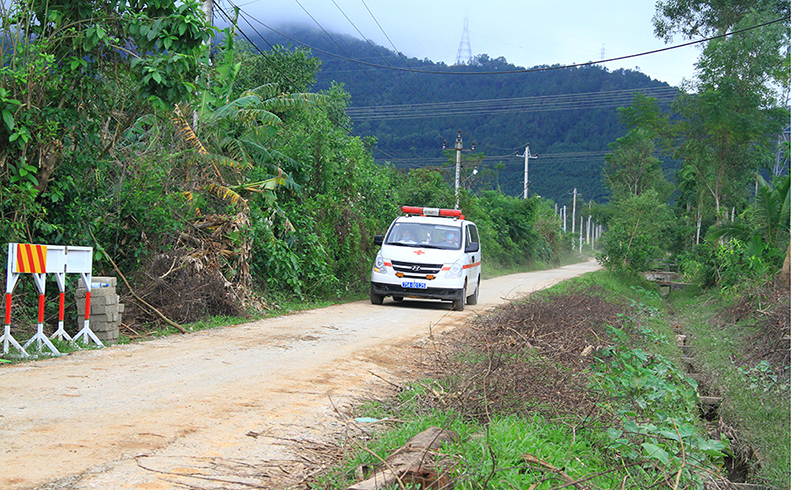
x=526, y=33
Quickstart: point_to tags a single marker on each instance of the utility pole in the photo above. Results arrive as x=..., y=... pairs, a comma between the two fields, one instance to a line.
x=574, y=202
x=459, y=147
x=208, y=7
x=580, y=239
x=527, y=155
x=589, y=232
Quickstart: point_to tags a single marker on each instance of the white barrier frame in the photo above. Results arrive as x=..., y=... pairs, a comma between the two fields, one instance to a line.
x=59, y=260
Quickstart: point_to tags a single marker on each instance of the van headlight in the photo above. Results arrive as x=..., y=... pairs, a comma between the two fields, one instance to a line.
x=455, y=270
x=379, y=265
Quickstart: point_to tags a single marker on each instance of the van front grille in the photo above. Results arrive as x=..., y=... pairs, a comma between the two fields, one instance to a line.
x=416, y=268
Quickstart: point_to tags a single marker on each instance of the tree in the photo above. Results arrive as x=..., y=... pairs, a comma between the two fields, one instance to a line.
x=703, y=18
x=292, y=70
x=639, y=230
x=729, y=125
x=237, y=137
x=68, y=71
x=768, y=218
x=633, y=168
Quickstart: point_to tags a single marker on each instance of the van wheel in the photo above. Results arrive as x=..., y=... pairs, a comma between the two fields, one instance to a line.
x=473, y=298
x=458, y=304
x=397, y=298
x=375, y=298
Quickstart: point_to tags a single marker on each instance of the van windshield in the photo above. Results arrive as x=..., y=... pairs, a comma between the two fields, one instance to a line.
x=425, y=235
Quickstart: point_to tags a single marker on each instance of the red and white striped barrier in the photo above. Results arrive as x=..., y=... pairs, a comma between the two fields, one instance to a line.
x=40, y=260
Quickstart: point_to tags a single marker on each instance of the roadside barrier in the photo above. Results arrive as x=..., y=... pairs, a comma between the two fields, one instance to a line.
x=40, y=260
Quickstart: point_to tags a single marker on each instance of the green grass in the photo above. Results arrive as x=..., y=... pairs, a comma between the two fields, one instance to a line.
x=492, y=455
x=653, y=406
x=757, y=407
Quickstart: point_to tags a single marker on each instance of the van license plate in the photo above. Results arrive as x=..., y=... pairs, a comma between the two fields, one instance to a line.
x=414, y=285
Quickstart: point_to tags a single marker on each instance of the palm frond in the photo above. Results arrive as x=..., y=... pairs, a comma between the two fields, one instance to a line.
x=226, y=194
x=291, y=101
x=266, y=91
x=730, y=230
x=226, y=161
x=234, y=106
x=261, y=186
x=187, y=132
x=260, y=134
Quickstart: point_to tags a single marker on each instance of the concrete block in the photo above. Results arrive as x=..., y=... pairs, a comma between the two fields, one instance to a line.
x=96, y=292
x=98, y=329
x=96, y=309
x=105, y=299
x=101, y=292
x=110, y=317
x=110, y=280
x=103, y=326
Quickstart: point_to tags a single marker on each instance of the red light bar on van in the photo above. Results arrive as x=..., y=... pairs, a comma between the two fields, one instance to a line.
x=454, y=213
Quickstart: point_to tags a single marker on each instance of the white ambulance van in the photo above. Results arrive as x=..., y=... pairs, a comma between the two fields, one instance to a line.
x=428, y=253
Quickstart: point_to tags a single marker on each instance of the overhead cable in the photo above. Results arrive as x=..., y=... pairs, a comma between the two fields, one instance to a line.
x=584, y=101
x=529, y=70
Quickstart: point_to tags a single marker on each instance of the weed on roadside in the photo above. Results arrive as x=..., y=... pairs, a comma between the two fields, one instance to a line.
x=555, y=390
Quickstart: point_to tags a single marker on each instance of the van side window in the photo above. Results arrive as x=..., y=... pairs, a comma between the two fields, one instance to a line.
x=472, y=233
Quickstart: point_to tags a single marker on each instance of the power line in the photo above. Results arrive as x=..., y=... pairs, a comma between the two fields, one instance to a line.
x=376, y=49
x=550, y=158
x=530, y=70
x=288, y=78
x=455, y=124
x=584, y=101
x=383, y=89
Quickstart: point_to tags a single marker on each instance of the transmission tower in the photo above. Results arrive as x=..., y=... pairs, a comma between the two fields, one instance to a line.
x=463, y=47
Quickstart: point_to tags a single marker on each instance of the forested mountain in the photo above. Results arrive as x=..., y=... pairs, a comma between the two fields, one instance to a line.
x=567, y=115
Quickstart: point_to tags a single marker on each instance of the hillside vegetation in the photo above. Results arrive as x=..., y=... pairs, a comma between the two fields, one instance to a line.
x=567, y=116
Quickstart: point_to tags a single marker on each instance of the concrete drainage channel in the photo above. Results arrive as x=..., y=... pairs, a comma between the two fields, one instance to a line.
x=739, y=466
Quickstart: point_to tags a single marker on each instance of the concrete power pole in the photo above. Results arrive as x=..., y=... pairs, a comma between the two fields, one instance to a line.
x=459, y=147
x=574, y=202
x=208, y=6
x=527, y=155
x=589, y=232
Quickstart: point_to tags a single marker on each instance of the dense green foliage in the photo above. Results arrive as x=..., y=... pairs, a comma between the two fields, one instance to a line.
x=231, y=169
x=726, y=135
x=72, y=76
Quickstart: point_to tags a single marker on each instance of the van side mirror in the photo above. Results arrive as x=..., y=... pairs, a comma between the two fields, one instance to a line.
x=378, y=240
x=472, y=247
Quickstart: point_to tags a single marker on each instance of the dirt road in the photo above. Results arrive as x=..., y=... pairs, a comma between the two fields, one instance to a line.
x=214, y=408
